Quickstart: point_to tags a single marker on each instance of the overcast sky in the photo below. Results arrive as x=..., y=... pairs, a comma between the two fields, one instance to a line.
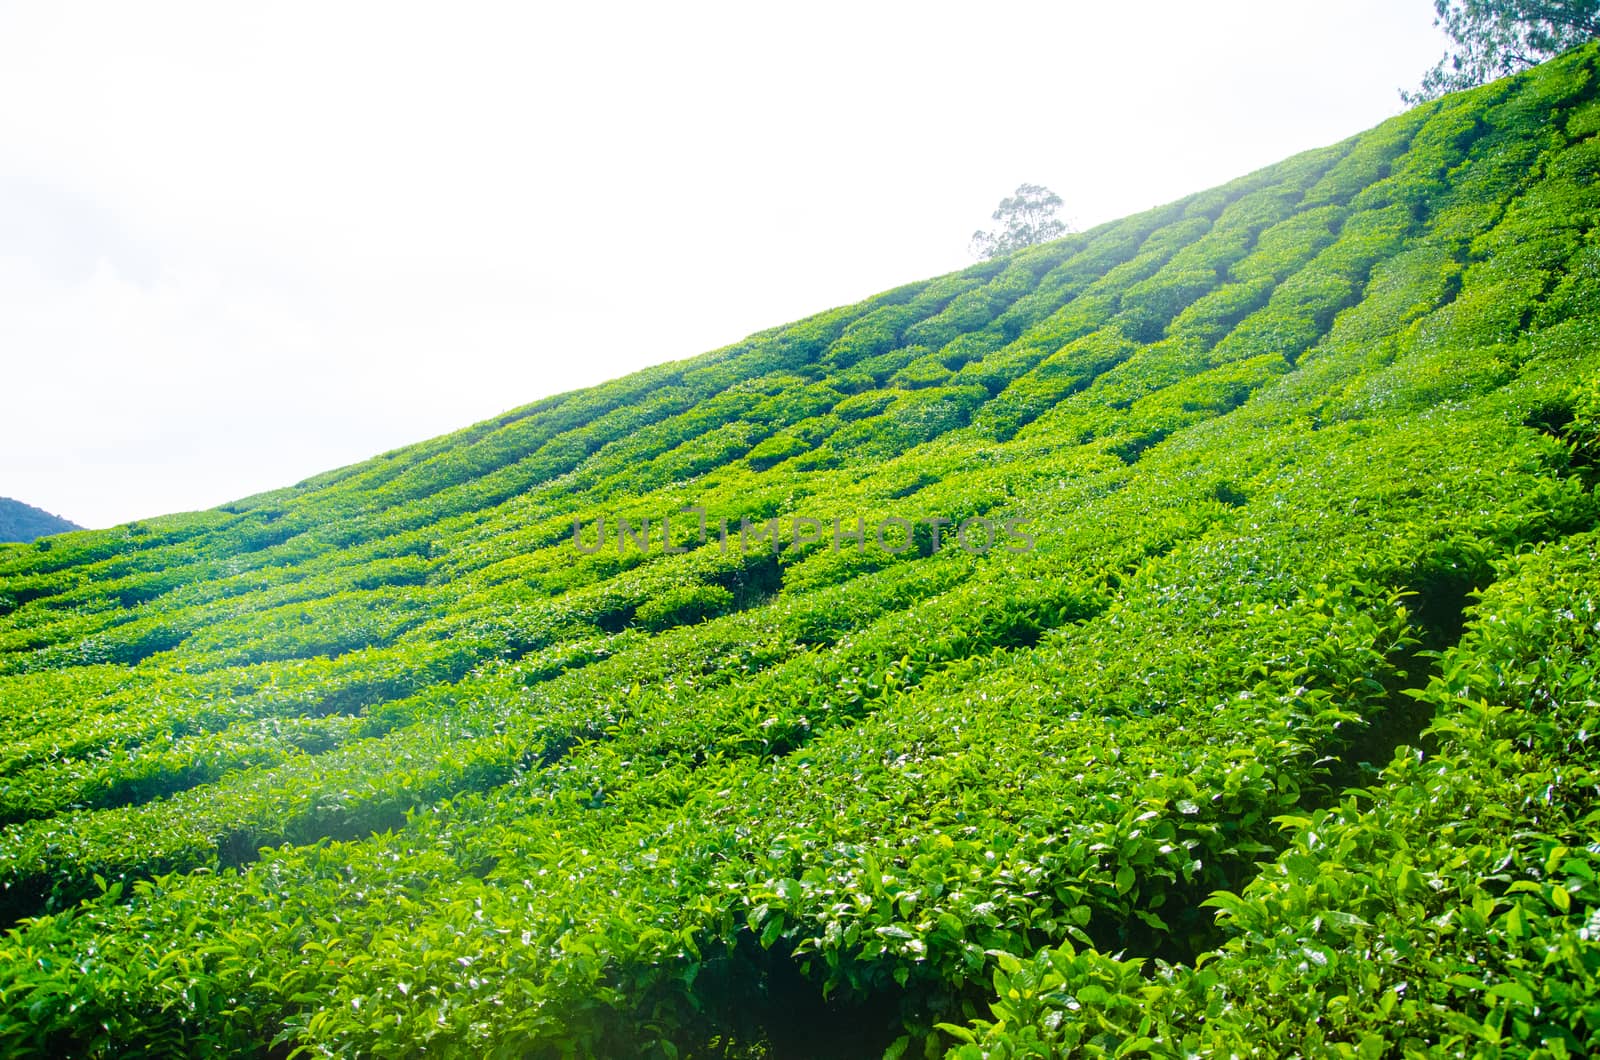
x=241, y=244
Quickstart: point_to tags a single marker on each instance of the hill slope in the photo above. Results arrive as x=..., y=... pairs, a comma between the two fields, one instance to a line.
x=1278, y=492
x=23, y=522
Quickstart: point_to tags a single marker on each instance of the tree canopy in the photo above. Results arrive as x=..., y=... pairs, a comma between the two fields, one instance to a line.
x=1494, y=38
x=1026, y=218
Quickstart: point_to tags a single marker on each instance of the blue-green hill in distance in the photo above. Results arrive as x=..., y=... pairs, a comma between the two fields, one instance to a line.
x=1177, y=639
x=23, y=522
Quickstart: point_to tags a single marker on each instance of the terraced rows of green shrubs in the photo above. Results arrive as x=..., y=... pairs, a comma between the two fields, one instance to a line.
x=1269, y=727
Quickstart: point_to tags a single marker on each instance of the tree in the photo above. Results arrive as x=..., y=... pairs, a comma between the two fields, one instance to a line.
x=1026, y=218
x=1494, y=38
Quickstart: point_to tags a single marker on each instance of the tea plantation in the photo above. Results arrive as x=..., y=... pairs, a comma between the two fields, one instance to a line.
x=1179, y=639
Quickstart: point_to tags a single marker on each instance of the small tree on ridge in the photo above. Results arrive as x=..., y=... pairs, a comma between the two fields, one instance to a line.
x=1026, y=218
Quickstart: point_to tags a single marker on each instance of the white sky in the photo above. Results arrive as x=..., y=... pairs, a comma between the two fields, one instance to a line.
x=244, y=243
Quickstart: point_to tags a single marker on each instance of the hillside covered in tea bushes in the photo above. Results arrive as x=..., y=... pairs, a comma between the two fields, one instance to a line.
x=1179, y=639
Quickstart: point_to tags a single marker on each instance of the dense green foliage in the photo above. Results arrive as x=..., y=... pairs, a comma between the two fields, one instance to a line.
x=1279, y=739
x=23, y=522
x=1494, y=38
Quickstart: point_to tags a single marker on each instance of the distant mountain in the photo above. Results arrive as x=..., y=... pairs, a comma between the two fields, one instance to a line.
x=24, y=522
